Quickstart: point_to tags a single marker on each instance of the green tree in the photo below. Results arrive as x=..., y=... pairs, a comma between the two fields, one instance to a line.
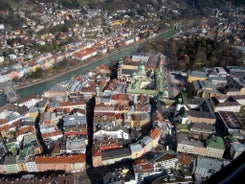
x=38, y=73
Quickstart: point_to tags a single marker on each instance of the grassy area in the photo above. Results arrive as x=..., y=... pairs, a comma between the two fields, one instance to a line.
x=24, y=4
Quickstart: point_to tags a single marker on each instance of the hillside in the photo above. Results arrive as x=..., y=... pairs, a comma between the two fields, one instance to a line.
x=200, y=5
x=186, y=8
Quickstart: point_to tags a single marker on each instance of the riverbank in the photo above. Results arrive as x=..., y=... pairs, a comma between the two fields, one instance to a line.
x=53, y=74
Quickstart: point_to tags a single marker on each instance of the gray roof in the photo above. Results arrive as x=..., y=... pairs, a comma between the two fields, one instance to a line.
x=145, y=140
x=135, y=147
x=9, y=159
x=204, y=165
x=238, y=147
x=72, y=120
x=128, y=71
x=235, y=69
x=115, y=153
x=144, y=59
x=204, y=109
x=200, y=114
x=198, y=73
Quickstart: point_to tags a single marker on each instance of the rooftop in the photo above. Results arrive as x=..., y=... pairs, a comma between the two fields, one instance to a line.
x=115, y=153
x=60, y=159
x=230, y=119
x=198, y=74
x=165, y=156
x=208, y=163
x=216, y=142
x=185, y=159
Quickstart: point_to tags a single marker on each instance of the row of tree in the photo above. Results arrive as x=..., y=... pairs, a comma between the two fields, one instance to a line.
x=196, y=53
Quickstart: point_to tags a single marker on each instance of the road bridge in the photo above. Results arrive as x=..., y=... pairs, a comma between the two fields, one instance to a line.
x=9, y=91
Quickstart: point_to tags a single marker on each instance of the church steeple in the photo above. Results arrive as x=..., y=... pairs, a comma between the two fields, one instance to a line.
x=141, y=69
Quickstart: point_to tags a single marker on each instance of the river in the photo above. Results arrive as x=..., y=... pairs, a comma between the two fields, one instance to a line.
x=41, y=87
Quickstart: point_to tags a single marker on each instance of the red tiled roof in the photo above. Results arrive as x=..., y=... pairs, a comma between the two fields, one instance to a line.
x=143, y=166
x=5, y=127
x=155, y=133
x=51, y=134
x=185, y=159
x=84, y=52
x=96, y=152
x=2, y=121
x=104, y=113
x=25, y=129
x=60, y=159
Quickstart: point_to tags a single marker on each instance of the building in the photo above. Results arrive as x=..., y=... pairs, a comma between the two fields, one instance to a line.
x=106, y=144
x=240, y=99
x=205, y=89
x=75, y=125
x=21, y=163
x=201, y=131
x=202, y=112
x=139, y=119
x=190, y=146
x=165, y=161
x=136, y=150
x=10, y=165
x=119, y=133
x=231, y=124
x=115, y=155
x=130, y=65
x=196, y=75
x=143, y=168
x=235, y=85
x=215, y=147
x=96, y=157
x=71, y=163
x=225, y=104
x=155, y=134
x=31, y=164
x=75, y=145
x=84, y=53
x=206, y=167
x=186, y=164
x=236, y=149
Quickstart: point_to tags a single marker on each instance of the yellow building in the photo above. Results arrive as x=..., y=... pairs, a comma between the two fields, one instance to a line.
x=139, y=120
x=196, y=75
x=205, y=89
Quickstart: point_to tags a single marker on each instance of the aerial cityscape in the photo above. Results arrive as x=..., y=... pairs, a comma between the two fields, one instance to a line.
x=122, y=91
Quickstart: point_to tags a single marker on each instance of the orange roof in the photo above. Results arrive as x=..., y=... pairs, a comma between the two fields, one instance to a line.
x=155, y=133
x=84, y=52
x=23, y=130
x=96, y=152
x=139, y=161
x=185, y=159
x=5, y=127
x=60, y=159
x=102, y=68
x=121, y=96
x=3, y=121
x=50, y=134
x=143, y=166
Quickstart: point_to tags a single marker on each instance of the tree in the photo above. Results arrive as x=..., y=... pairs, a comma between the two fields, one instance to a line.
x=38, y=73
